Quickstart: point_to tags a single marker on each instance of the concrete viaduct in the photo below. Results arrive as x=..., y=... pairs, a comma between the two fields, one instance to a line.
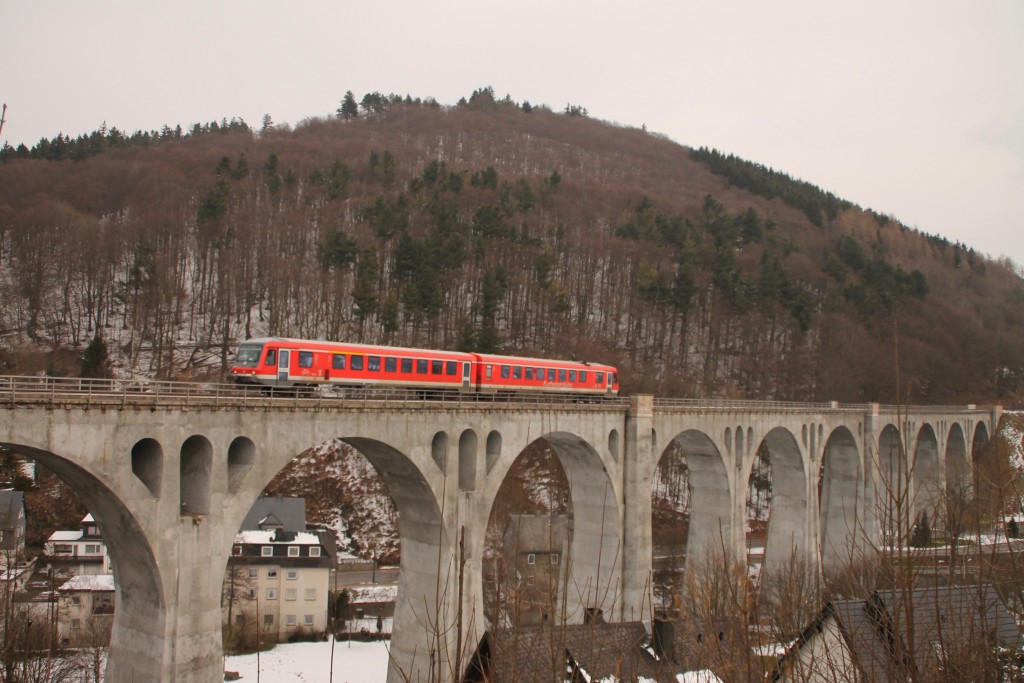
x=170, y=471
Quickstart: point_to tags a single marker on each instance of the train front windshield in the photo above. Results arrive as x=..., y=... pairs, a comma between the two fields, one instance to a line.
x=248, y=355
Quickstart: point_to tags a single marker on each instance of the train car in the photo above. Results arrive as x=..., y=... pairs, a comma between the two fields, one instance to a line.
x=281, y=362
x=512, y=373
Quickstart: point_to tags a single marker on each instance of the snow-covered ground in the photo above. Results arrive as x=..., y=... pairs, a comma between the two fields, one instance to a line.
x=354, y=662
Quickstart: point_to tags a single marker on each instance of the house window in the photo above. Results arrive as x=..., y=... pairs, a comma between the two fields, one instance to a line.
x=307, y=620
x=290, y=594
x=554, y=558
x=531, y=559
x=293, y=551
x=62, y=549
x=314, y=551
x=271, y=573
x=292, y=574
x=253, y=572
x=76, y=600
x=267, y=551
x=76, y=623
x=271, y=594
x=311, y=594
x=252, y=593
x=92, y=549
x=237, y=550
x=268, y=619
x=289, y=620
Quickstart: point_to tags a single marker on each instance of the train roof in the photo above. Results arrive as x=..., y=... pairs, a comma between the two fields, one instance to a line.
x=366, y=348
x=384, y=350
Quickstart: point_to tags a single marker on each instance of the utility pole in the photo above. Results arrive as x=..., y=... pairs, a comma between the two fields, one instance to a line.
x=3, y=117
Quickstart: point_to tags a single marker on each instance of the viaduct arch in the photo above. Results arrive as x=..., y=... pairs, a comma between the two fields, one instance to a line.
x=170, y=484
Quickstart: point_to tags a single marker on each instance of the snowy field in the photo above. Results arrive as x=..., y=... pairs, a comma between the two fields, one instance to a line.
x=354, y=662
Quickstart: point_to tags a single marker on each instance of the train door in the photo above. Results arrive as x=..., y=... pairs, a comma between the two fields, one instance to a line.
x=284, y=357
x=465, y=375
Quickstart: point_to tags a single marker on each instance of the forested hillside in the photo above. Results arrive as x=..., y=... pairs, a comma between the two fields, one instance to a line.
x=489, y=225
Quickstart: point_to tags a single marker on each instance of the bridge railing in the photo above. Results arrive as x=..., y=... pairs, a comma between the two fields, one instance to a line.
x=76, y=392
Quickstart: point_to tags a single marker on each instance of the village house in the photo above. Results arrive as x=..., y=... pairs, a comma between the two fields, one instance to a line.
x=85, y=613
x=13, y=569
x=78, y=552
x=922, y=634
x=278, y=582
x=534, y=548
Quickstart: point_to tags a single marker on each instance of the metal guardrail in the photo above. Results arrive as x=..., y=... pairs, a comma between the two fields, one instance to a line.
x=53, y=392
x=63, y=392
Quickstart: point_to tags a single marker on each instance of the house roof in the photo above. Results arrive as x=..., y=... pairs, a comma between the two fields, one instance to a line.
x=64, y=536
x=271, y=537
x=89, y=582
x=595, y=651
x=288, y=513
x=12, y=507
x=878, y=631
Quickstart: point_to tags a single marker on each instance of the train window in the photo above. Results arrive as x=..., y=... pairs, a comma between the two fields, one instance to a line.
x=600, y=379
x=451, y=368
x=540, y=374
x=271, y=357
x=373, y=363
x=551, y=374
x=421, y=366
x=572, y=375
x=390, y=364
x=357, y=362
x=506, y=371
x=407, y=365
x=487, y=374
x=517, y=372
x=561, y=375
x=436, y=367
x=305, y=359
x=613, y=378
x=249, y=356
x=338, y=361
x=529, y=373
x=583, y=376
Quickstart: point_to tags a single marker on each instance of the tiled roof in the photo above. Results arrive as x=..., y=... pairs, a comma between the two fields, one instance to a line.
x=594, y=651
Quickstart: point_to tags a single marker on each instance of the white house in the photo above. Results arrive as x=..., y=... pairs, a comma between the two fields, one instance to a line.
x=82, y=551
x=277, y=587
x=85, y=613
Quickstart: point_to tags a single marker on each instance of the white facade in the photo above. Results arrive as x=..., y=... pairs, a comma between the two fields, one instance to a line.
x=85, y=613
x=278, y=585
x=79, y=552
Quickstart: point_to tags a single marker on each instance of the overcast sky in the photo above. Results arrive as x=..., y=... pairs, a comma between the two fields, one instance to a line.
x=914, y=109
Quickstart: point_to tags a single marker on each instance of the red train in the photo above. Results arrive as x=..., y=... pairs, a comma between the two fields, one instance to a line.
x=277, y=362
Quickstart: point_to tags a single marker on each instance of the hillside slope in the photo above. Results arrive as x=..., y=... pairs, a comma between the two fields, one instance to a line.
x=486, y=226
